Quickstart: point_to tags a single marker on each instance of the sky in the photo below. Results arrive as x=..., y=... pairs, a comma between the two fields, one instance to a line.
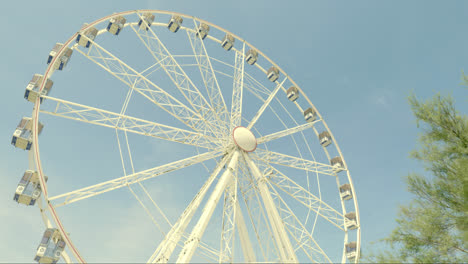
x=357, y=62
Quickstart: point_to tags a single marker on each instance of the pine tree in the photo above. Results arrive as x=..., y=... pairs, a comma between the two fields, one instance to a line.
x=434, y=226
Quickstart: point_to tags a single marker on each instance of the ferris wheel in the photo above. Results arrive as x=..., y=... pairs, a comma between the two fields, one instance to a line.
x=269, y=181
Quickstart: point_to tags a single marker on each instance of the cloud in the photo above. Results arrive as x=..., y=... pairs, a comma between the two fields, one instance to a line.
x=381, y=97
x=381, y=100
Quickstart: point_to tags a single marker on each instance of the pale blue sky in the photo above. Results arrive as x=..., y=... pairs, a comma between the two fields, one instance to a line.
x=356, y=61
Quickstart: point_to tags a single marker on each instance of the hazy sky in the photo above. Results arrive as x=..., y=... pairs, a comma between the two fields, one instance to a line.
x=357, y=62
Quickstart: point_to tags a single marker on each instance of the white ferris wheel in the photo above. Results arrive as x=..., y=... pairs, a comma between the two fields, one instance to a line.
x=269, y=181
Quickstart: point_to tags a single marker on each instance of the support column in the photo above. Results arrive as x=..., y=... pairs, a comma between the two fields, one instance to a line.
x=246, y=245
x=167, y=246
x=194, y=239
x=286, y=253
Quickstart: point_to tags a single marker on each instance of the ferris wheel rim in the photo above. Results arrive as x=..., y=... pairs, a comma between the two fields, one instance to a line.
x=49, y=72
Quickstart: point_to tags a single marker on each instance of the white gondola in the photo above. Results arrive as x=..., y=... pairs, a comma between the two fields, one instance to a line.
x=174, y=23
x=337, y=163
x=273, y=74
x=90, y=34
x=345, y=191
x=22, y=137
x=116, y=25
x=32, y=90
x=292, y=93
x=251, y=56
x=351, y=250
x=203, y=30
x=64, y=58
x=28, y=189
x=350, y=221
x=228, y=42
x=325, y=138
x=148, y=19
x=309, y=115
x=51, y=247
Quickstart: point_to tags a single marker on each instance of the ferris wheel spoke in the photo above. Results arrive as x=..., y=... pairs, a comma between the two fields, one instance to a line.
x=257, y=216
x=286, y=132
x=287, y=253
x=107, y=186
x=145, y=87
x=299, y=232
x=303, y=196
x=129, y=153
x=96, y=116
x=259, y=222
x=208, y=75
x=204, y=250
x=167, y=246
x=192, y=243
x=246, y=245
x=294, y=162
x=229, y=221
x=255, y=86
x=266, y=103
x=180, y=79
x=238, y=87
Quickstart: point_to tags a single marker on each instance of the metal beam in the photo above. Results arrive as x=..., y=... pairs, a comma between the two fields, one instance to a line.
x=167, y=246
x=287, y=253
x=294, y=162
x=247, y=249
x=180, y=79
x=261, y=228
x=286, y=132
x=145, y=87
x=306, y=198
x=238, y=88
x=228, y=233
x=108, y=186
x=194, y=239
x=266, y=103
x=96, y=116
x=299, y=232
x=209, y=77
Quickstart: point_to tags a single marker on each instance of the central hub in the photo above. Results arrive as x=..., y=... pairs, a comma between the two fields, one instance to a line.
x=244, y=139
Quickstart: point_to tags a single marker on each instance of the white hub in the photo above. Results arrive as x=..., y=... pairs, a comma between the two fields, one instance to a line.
x=244, y=139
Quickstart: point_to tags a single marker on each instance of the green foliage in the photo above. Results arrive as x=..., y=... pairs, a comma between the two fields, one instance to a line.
x=434, y=226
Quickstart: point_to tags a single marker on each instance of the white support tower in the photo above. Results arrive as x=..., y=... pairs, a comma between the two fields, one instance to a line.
x=194, y=239
x=282, y=240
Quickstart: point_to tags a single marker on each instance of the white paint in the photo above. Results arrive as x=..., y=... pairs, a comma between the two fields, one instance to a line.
x=244, y=139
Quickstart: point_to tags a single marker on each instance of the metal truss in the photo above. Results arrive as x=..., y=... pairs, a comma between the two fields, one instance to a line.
x=192, y=243
x=246, y=245
x=298, y=231
x=126, y=123
x=148, y=89
x=255, y=87
x=286, y=251
x=238, y=88
x=167, y=246
x=180, y=79
x=294, y=162
x=300, y=194
x=107, y=186
x=209, y=77
x=229, y=221
x=286, y=132
x=266, y=103
x=257, y=216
